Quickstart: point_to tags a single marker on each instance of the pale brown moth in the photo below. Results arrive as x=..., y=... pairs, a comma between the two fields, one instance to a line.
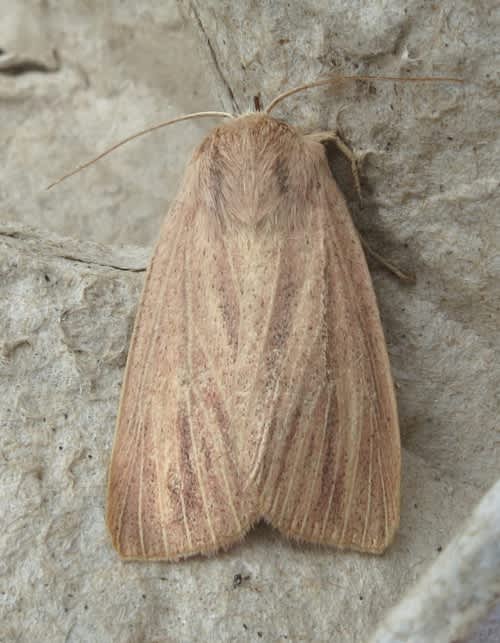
x=258, y=383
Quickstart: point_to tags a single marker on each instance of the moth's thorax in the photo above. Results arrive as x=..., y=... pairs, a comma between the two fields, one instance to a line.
x=256, y=168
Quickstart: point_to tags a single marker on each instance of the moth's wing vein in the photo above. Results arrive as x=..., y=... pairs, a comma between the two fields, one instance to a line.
x=353, y=461
x=318, y=462
x=222, y=472
x=369, y=491
x=264, y=438
x=384, y=494
x=299, y=456
x=300, y=354
x=132, y=453
x=223, y=395
x=185, y=520
x=159, y=284
x=159, y=486
x=188, y=289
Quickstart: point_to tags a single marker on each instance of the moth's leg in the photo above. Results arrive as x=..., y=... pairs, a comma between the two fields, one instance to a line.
x=408, y=277
x=333, y=135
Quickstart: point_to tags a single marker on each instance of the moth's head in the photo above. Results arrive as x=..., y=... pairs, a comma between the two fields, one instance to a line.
x=255, y=129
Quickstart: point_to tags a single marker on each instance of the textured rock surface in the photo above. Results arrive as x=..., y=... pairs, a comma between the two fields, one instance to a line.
x=461, y=584
x=431, y=204
x=117, y=69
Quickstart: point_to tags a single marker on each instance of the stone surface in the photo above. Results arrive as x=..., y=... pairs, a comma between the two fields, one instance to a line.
x=430, y=191
x=117, y=69
x=458, y=588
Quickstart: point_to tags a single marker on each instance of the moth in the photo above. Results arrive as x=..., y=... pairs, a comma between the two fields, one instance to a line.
x=258, y=384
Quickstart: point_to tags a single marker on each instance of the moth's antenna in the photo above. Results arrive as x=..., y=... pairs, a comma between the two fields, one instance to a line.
x=131, y=138
x=339, y=79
